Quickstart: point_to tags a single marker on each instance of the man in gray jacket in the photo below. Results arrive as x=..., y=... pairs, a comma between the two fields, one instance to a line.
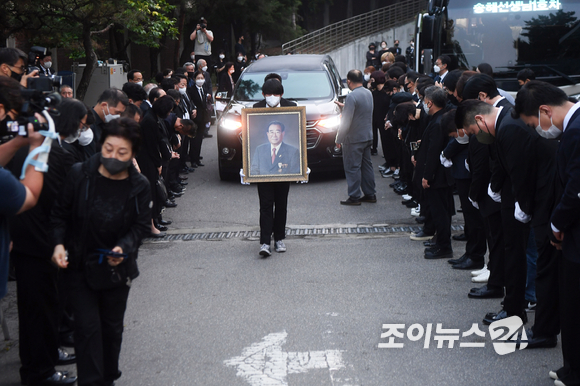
x=355, y=137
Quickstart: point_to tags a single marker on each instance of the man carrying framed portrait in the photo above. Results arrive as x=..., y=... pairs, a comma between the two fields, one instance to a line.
x=274, y=152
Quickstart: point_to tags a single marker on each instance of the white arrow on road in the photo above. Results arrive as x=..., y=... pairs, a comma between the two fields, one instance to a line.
x=264, y=363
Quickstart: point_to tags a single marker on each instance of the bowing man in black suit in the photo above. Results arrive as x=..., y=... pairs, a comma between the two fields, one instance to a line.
x=542, y=105
x=516, y=151
x=274, y=195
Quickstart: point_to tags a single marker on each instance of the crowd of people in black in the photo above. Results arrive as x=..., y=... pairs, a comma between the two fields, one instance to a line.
x=512, y=164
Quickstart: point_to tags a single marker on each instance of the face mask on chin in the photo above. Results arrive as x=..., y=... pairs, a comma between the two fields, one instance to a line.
x=552, y=133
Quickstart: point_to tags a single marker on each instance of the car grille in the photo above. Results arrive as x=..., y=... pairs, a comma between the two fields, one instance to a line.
x=312, y=135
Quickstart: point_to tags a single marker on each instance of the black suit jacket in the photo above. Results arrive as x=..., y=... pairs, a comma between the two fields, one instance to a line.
x=480, y=166
x=225, y=83
x=566, y=214
x=202, y=116
x=433, y=142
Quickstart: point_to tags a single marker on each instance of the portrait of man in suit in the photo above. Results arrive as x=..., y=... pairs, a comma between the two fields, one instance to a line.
x=276, y=156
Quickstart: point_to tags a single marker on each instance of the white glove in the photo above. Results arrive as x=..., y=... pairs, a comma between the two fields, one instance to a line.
x=520, y=215
x=242, y=175
x=467, y=166
x=474, y=203
x=445, y=162
x=307, y=174
x=494, y=196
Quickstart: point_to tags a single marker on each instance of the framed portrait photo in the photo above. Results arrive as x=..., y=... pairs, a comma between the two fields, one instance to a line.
x=274, y=144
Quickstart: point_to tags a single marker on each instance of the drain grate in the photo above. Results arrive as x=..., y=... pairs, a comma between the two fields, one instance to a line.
x=296, y=232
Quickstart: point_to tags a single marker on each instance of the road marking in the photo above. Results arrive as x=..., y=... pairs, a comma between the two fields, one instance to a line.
x=265, y=364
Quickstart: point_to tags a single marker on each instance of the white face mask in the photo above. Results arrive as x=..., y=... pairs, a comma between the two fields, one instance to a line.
x=199, y=82
x=73, y=137
x=109, y=117
x=384, y=46
x=182, y=91
x=139, y=83
x=86, y=137
x=367, y=77
x=193, y=58
x=462, y=140
x=47, y=64
x=384, y=63
x=240, y=58
x=552, y=133
x=436, y=69
x=273, y=100
x=425, y=108
x=204, y=68
x=222, y=56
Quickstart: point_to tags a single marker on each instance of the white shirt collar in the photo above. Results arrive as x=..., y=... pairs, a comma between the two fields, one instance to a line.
x=497, y=101
x=443, y=76
x=275, y=147
x=569, y=115
x=496, y=118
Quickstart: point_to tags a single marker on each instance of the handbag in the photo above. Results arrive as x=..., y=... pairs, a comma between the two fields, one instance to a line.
x=161, y=189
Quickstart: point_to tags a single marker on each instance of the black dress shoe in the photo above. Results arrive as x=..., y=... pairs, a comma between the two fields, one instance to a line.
x=420, y=236
x=395, y=184
x=485, y=293
x=350, y=201
x=540, y=341
x=157, y=235
x=169, y=204
x=182, y=183
x=412, y=204
x=200, y=164
x=371, y=199
x=460, y=237
x=65, y=358
x=459, y=260
x=160, y=227
x=493, y=317
x=430, y=243
x=374, y=152
x=183, y=178
x=469, y=264
x=165, y=222
x=208, y=136
x=439, y=253
x=58, y=378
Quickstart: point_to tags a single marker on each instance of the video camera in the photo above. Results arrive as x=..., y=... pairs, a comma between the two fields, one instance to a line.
x=38, y=97
x=202, y=23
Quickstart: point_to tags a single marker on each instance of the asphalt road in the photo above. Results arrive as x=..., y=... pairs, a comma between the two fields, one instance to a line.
x=212, y=312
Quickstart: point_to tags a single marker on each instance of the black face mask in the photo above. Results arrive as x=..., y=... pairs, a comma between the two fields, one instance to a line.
x=114, y=166
x=190, y=74
x=17, y=77
x=452, y=99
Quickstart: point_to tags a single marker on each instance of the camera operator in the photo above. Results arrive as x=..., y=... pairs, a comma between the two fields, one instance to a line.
x=202, y=38
x=13, y=65
x=17, y=197
x=39, y=305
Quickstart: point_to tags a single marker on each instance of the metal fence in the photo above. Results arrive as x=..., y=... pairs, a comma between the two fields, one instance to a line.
x=338, y=34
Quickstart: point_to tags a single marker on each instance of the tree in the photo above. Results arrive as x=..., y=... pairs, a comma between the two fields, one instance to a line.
x=77, y=24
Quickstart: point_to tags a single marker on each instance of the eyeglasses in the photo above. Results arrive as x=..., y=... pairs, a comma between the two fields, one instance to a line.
x=85, y=127
x=21, y=68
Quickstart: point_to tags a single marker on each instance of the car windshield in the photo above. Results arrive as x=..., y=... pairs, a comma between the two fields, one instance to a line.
x=300, y=85
x=542, y=34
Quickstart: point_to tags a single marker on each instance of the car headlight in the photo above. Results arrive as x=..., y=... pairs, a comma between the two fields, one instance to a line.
x=230, y=124
x=330, y=124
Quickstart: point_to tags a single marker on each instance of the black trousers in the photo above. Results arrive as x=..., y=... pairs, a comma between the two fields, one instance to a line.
x=98, y=330
x=184, y=151
x=375, y=138
x=38, y=306
x=475, y=247
x=547, y=321
x=429, y=226
x=495, y=243
x=195, y=145
x=570, y=320
x=441, y=209
x=515, y=262
x=273, y=210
